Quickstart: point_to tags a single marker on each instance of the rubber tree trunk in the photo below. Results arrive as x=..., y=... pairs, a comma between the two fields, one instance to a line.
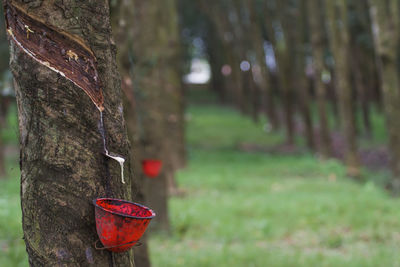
x=293, y=26
x=62, y=165
x=300, y=72
x=315, y=9
x=285, y=71
x=264, y=81
x=386, y=30
x=172, y=86
x=122, y=21
x=216, y=58
x=338, y=16
x=372, y=78
x=149, y=85
x=234, y=81
x=364, y=65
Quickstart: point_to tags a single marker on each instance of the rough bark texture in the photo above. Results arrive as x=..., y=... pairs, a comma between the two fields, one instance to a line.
x=340, y=36
x=386, y=26
x=315, y=10
x=62, y=165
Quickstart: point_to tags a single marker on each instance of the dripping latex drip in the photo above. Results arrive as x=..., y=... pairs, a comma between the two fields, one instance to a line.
x=113, y=156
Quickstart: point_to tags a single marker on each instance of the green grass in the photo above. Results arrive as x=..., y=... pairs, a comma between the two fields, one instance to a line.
x=253, y=209
x=10, y=133
x=216, y=127
x=12, y=248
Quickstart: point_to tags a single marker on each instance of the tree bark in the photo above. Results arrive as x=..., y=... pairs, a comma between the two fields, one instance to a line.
x=340, y=36
x=122, y=21
x=216, y=11
x=264, y=84
x=386, y=33
x=303, y=81
x=62, y=165
x=317, y=43
x=173, y=99
x=372, y=74
x=364, y=65
x=295, y=41
x=216, y=59
x=150, y=87
x=285, y=72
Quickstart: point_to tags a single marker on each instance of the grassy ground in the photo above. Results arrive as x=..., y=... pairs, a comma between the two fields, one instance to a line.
x=254, y=209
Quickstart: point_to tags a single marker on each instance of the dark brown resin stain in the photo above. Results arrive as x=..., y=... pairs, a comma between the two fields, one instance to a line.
x=66, y=54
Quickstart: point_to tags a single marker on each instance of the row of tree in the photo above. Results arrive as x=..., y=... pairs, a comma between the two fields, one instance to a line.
x=289, y=58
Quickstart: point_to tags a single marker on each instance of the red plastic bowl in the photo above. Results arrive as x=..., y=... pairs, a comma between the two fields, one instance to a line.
x=151, y=167
x=119, y=223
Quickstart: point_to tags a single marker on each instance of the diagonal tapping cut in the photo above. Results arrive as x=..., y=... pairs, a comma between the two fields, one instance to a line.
x=63, y=53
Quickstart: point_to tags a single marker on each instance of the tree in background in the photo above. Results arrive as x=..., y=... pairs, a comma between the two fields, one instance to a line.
x=386, y=31
x=257, y=40
x=315, y=8
x=302, y=81
x=122, y=13
x=158, y=94
x=284, y=53
x=340, y=42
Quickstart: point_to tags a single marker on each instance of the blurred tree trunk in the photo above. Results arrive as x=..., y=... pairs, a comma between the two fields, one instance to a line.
x=360, y=69
x=364, y=65
x=218, y=15
x=283, y=57
x=315, y=8
x=264, y=82
x=340, y=41
x=294, y=27
x=174, y=90
x=215, y=54
x=235, y=78
x=62, y=166
x=238, y=24
x=122, y=13
x=372, y=78
x=300, y=72
x=252, y=103
x=386, y=31
x=331, y=86
x=154, y=85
